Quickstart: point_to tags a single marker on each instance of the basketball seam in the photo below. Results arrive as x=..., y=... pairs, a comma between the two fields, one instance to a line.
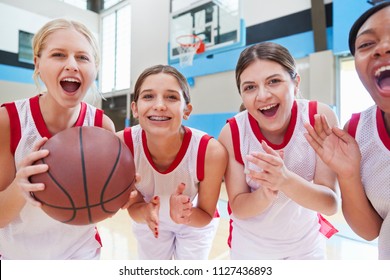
x=85, y=183
x=64, y=191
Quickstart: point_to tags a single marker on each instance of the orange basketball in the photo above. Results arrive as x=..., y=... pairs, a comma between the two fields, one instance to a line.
x=90, y=177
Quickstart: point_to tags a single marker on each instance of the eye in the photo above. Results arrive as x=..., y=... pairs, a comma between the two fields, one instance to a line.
x=84, y=57
x=364, y=45
x=248, y=88
x=57, y=54
x=173, y=97
x=146, y=96
x=274, y=81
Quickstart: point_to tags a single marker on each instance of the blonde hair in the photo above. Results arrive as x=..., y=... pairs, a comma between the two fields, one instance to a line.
x=40, y=38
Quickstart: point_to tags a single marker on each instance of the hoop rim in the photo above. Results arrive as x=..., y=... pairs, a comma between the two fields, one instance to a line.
x=187, y=45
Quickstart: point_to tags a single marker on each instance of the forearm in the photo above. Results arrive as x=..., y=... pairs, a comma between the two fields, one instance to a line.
x=357, y=209
x=249, y=204
x=11, y=203
x=199, y=217
x=137, y=212
x=313, y=196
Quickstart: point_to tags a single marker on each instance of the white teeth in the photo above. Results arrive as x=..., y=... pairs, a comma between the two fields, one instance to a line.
x=158, y=118
x=380, y=70
x=267, y=107
x=71, y=80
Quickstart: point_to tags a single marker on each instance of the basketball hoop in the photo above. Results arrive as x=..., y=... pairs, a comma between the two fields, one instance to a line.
x=189, y=45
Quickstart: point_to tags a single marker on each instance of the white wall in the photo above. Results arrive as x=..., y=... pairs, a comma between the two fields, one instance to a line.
x=149, y=35
x=257, y=11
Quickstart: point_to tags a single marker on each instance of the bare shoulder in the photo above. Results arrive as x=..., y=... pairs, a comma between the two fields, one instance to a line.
x=216, y=150
x=108, y=123
x=224, y=135
x=325, y=109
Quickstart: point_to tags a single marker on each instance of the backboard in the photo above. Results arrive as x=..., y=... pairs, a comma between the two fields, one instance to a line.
x=216, y=22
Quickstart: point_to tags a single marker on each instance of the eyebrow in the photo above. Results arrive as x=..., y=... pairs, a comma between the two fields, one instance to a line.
x=365, y=32
x=267, y=78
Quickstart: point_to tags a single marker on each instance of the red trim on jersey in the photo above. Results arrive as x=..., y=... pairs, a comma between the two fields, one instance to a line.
x=235, y=139
x=40, y=122
x=326, y=228
x=14, y=122
x=81, y=117
x=98, y=118
x=97, y=237
x=128, y=139
x=312, y=111
x=229, y=241
x=200, y=162
x=179, y=156
x=38, y=118
x=289, y=132
x=353, y=123
x=380, y=123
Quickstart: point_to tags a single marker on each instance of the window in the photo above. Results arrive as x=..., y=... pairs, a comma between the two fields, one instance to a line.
x=353, y=96
x=25, y=48
x=115, y=71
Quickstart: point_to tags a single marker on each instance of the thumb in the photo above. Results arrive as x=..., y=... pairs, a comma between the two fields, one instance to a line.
x=155, y=200
x=180, y=189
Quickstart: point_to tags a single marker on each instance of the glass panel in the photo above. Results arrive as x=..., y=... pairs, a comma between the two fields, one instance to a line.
x=115, y=71
x=123, y=49
x=25, y=48
x=108, y=53
x=354, y=97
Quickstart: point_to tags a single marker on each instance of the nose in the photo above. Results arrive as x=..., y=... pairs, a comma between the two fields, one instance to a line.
x=159, y=104
x=383, y=47
x=262, y=94
x=71, y=65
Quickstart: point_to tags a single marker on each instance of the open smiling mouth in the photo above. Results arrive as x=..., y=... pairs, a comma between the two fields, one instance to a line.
x=382, y=76
x=270, y=110
x=158, y=118
x=70, y=85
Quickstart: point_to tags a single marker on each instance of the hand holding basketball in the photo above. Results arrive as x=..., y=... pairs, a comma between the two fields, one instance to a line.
x=91, y=175
x=26, y=168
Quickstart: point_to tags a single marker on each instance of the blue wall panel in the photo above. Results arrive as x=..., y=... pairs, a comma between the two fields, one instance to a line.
x=345, y=12
x=210, y=123
x=16, y=74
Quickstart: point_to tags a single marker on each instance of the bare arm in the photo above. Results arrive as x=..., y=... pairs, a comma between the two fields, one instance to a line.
x=243, y=202
x=341, y=153
x=209, y=188
x=15, y=186
x=108, y=123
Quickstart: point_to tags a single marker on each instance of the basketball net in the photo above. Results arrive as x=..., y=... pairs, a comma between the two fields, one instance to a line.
x=189, y=45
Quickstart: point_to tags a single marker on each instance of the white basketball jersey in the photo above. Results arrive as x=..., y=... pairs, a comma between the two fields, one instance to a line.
x=188, y=168
x=33, y=234
x=285, y=229
x=370, y=132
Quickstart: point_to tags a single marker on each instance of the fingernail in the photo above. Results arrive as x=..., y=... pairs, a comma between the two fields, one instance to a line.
x=183, y=183
x=155, y=198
